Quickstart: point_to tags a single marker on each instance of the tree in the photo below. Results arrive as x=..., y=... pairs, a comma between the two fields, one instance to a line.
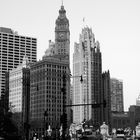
x=7, y=127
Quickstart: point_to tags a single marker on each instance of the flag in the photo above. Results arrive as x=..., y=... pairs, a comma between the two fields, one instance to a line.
x=83, y=19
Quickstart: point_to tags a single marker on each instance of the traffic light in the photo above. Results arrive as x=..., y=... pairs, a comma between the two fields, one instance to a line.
x=45, y=114
x=61, y=119
x=96, y=105
x=81, y=78
x=104, y=103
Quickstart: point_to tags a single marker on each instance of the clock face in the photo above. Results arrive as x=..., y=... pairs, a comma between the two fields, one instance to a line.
x=61, y=35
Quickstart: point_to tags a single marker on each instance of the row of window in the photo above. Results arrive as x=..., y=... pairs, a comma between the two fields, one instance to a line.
x=15, y=99
x=50, y=77
x=15, y=56
x=17, y=46
x=4, y=52
x=19, y=51
x=40, y=110
x=16, y=36
x=14, y=48
x=46, y=67
x=18, y=42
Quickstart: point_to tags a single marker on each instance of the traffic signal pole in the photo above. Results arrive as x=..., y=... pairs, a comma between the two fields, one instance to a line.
x=95, y=105
x=64, y=116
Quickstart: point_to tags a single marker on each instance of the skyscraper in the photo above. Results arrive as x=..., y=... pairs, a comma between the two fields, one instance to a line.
x=49, y=90
x=19, y=88
x=106, y=98
x=87, y=62
x=117, y=95
x=46, y=100
x=13, y=47
x=138, y=101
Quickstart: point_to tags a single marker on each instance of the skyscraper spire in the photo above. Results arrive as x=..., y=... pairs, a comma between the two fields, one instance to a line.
x=84, y=22
x=62, y=11
x=62, y=2
x=83, y=19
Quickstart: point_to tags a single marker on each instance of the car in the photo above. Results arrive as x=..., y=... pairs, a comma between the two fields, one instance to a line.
x=120, y=133
x=89, y=133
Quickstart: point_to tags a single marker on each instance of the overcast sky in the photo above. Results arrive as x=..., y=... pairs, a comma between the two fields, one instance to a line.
x=115, y=24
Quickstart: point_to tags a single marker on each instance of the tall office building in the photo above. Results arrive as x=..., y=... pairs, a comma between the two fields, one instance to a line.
x=46, y=101
x=49, y=89
x=87, y=62
x=13, y=47
x=107, y=98
x=19, y=88
x=134, y=115
x=117, y=95
x=138, y=101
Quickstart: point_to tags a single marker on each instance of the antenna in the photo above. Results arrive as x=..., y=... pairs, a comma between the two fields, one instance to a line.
x=83, y=21
x=62, y=2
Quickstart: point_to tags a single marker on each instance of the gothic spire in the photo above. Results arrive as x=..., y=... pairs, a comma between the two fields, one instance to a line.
x=62, y=2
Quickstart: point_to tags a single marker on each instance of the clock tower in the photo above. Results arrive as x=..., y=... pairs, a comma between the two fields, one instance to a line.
x=62, y=35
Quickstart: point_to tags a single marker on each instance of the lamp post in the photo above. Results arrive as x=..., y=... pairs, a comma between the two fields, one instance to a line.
x=50, y=116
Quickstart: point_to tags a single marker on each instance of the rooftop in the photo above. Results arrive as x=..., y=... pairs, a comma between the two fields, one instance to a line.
x=6, y=30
